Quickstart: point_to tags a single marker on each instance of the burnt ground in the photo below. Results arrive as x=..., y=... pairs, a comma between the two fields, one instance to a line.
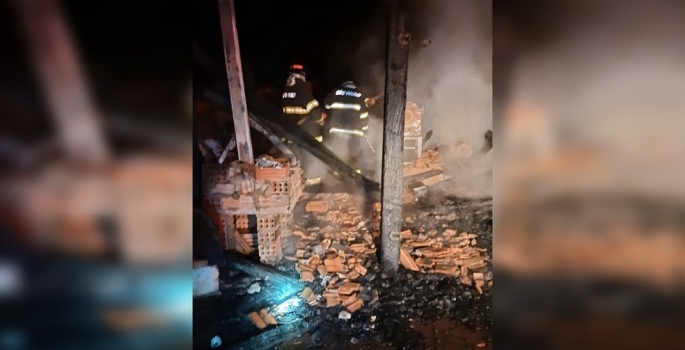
x=414, y=311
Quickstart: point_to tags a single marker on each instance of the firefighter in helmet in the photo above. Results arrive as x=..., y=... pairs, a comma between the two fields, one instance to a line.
x=346, y=124
x=299, y=104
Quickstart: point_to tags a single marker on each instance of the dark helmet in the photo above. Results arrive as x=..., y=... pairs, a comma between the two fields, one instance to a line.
x=298, y=69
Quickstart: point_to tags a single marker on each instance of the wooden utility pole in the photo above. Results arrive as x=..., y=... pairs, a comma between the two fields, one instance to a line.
x=393, y=136
x=236, y=85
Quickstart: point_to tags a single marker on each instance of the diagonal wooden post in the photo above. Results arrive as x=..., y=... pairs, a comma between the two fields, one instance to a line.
x=393, y=136
x=236, y=86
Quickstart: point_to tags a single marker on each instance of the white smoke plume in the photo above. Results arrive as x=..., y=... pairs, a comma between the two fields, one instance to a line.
x=450, y=74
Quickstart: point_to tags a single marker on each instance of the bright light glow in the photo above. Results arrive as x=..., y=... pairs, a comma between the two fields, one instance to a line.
x=10, y=280
x=287, y=306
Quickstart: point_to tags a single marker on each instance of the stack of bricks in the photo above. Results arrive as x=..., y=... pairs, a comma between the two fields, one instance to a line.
x=269, y=240
x=235, y=191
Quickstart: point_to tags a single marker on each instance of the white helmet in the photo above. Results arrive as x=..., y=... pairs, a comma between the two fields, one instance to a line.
x=349, y=84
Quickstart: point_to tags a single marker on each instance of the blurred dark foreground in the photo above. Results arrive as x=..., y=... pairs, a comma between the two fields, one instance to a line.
x=588, y=229
x=95, y=196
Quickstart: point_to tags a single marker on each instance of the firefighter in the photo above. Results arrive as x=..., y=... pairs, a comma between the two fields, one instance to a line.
x=299, y=104
x=346, y=124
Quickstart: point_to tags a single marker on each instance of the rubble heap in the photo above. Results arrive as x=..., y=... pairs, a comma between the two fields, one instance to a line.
x=429, y=160
x=334, y=254
x=445, y=253
x=334, y=257
x=268, y=189
x=421, y=174
x=370, y=308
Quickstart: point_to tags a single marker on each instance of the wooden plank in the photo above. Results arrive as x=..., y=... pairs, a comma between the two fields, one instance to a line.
x=434, y=180
x=393, y=140
x=412, y=171
x=236, y=85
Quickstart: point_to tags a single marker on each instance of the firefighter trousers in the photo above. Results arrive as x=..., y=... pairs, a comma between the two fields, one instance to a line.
x=350, y=149
x=312, y=166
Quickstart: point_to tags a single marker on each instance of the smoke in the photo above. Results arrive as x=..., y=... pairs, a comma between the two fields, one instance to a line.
x=450, y=74
x=450, y=69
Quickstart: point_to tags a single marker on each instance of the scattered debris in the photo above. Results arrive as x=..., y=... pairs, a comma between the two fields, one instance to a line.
x=445, y=253
x=334, y=256
x=262, y=319
x=306, y=276
x=335, y=253
x=266, y=161
x=407, y=261
x=257, y=320
x=344, y=315
x=254, y=288
x=421, y=174
x=334, y=269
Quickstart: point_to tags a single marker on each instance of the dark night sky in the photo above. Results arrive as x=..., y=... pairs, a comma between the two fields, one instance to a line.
x=324, y=35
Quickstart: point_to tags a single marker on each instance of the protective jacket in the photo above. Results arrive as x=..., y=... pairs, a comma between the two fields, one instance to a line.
x=299, y=102
x=347, y=112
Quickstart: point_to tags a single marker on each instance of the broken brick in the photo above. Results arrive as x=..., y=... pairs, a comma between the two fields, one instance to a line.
x=317, y=207
x=356, y=305
x=306, y=276
x=333, y=265
x=407, y=261
x=322, y=270
x=257, y=320
x=267, y=318
x=348, y=288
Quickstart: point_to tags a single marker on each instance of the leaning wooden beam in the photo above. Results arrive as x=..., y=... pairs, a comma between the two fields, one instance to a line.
x=273, y=118
x=262, y=271
x=420, y=177
x=309, y=144
x=236, y=85
x=393, y=136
